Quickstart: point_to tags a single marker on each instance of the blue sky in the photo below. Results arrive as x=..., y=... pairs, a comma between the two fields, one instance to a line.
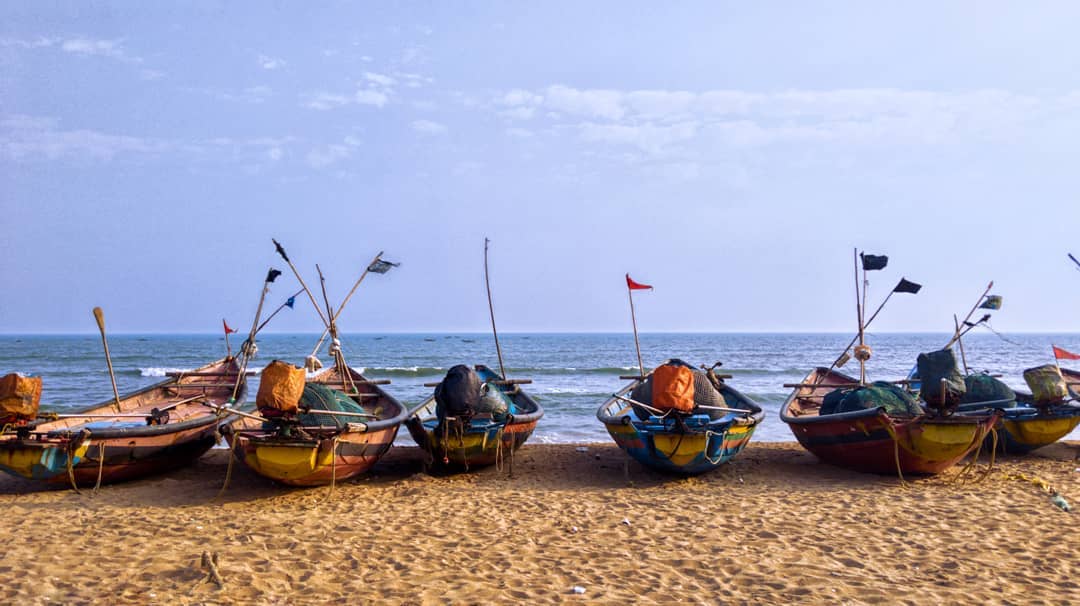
x=730, y=154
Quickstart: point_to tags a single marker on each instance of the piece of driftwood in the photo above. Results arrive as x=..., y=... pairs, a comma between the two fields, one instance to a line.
x=210, y=565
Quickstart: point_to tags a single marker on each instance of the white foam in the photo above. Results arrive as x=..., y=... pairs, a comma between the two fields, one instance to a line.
x=158, y=371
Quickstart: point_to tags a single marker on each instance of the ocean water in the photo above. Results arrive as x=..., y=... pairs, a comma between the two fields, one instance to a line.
x=572, y=373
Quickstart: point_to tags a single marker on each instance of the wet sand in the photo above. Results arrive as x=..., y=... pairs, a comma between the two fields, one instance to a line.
x=772, y=526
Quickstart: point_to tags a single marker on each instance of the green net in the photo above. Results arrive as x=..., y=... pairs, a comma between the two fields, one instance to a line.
x=895, y=400
x=984, y=388
x=321, y=397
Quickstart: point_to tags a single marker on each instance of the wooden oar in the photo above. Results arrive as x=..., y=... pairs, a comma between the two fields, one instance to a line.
x=100, y=317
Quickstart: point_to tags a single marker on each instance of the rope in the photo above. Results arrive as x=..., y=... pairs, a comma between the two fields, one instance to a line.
x=101, y=467
x=229, y=468
x=72, y=446
x=333, y=466
x=720, y=452
x=896, y=450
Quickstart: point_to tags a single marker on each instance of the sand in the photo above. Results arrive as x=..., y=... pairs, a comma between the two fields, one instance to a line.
x=772, y=526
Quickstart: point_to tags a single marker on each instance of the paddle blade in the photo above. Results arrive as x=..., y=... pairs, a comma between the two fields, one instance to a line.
x=100, y=317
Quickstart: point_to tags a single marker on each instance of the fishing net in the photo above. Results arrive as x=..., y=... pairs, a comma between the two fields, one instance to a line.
x=984, y=388
x=892, y=398
x=495, y=402
x=321, y=397
x=942, y=381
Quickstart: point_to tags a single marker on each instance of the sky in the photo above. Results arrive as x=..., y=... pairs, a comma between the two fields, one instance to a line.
x=731, y=154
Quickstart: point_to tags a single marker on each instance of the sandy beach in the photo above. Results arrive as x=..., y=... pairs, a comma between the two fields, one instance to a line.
x=773, y=526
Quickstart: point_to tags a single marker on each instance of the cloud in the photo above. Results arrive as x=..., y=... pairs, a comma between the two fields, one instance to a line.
x=324, y=101
x=251, y=94
x=270, y=63
x=656, y=121
x=371, y=97
x=519, y=132
x=87, y=47
x=112, y=49
x=329, y=155
x=374, y=89
x=26, y=137
x=379, y=80
x=427, y=127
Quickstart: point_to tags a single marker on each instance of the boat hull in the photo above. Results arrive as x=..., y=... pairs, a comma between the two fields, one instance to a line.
x=316, y=456
x=1021, y=431
x=688, y=453
x=871, y=440
x=480, y=442
x=885, y=445
x=312, y=462
x=473, y=447
x=131, y=449
x=692, y=445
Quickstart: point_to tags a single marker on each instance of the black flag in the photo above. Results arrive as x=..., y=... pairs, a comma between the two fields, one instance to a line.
x=381, y=267
x=272, y=275
x=873, y=262
x=906, y=286
x=280, y=250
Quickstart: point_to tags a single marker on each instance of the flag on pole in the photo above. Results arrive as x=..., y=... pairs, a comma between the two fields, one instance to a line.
x=290, y=302
x=873, y=262
x=226, y=325
x=906, y=286
x=635, y=285
x=991, y=302
x=1061, y=354
x=280, y=249
x=381, y=267
x=272, y=275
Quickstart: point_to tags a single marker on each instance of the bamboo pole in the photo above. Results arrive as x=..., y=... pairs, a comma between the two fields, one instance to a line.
x=491, y=310
x=633, y=318
x=960, y=342
x=279, y=308
x=281, y=251
x=958, y=334
x=326, y=331
x=99, y=316
x=858, y=314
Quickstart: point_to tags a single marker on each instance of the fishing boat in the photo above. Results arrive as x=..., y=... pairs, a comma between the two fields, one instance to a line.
x=684, y=444
x=476, y=416
x=342, y=446
x=155, y=429
x=482, y=439
x=319, y=436
x=1027, y=425
x=875, y=441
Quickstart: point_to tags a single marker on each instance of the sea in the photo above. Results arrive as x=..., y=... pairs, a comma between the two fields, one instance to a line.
x=572, y=374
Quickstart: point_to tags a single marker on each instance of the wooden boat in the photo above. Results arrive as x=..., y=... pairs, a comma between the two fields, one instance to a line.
x=483, y=440
x=155, y=429
x=874, y=441
x=296, y=455
x=691, y=445
x=1025, y=427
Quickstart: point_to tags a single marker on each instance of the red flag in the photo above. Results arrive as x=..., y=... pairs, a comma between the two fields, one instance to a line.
x=226, y=325
x=1061, y=354
x=635, y=286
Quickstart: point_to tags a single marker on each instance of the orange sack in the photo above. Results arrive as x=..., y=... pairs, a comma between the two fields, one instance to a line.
x=673, y=388
x=19, y=397
x=280, y=387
